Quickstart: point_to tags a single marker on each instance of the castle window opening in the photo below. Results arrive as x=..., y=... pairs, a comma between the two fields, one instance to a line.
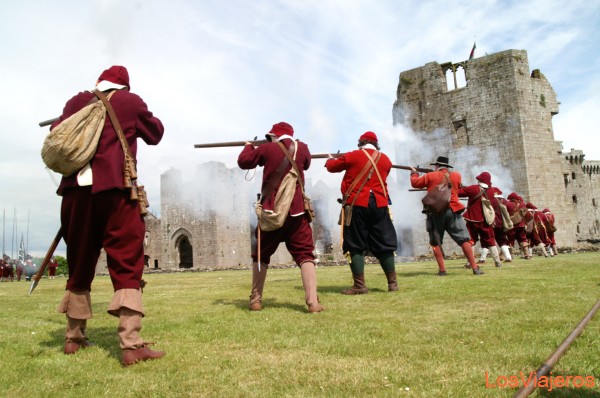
x=594, y=202
x=456, y=76
x=566, y=177
x=574, y=198
x=573, y=175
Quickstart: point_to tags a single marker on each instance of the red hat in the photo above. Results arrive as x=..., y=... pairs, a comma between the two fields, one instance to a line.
x=530, y=205
x=546, y=211
x=279, y=129
x=116, y=74
x=513, y=196
x=485, y=177
x=368, y=136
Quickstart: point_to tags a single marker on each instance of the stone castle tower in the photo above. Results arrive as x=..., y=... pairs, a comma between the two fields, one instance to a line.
x=491, y=113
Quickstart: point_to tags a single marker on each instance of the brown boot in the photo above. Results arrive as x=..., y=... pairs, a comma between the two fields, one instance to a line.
x=392, y=282
x=134, y=349
x=258, y=284
x=77, y=306
x=309, y=281
x=75, y=336
x=143, y=353
x=359, y=286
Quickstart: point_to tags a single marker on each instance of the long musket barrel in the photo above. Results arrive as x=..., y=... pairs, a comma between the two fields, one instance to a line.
x=394, y=166
x=420, y=169
x=231, y=143
x=46, y=260
x=552, y=359
x=48, y=122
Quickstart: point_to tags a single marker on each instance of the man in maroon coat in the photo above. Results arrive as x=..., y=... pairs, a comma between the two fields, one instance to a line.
x=366, y=198
x=97, y=212
x=296, y=231
x=518, y=233
x=451, y=219
x=478, y=228
x=537, y=233
x=551, y=229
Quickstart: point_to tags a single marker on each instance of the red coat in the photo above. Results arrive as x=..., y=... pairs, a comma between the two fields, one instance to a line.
x=435, y=178
x=270, y=156
x=474, y=211
x=136, y=121
x=352, y=163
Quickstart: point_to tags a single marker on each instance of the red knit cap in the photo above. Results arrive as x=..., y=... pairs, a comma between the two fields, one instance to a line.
x=282, y=128
x=116, y=74
x=368, y=136
x=485, y=177
x=513, y=196
x=530, y=205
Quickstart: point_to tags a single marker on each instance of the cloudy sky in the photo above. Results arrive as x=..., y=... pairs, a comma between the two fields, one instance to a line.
x=216, y=70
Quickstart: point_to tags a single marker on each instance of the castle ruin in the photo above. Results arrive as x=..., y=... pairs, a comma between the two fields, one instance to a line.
x=489, y=113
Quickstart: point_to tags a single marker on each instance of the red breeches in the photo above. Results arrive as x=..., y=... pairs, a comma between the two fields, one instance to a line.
x=108, y=220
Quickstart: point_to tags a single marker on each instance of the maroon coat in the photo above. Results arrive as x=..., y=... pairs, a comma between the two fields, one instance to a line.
x=107, y=164
x=353, y=162
x=474, y=211
x=270, y=156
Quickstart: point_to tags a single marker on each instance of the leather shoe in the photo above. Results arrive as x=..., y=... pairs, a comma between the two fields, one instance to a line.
x=478, y=272
x=143, y=353
x=314, y=308
x=442, y=273
x=71, y=346
x=256, y=306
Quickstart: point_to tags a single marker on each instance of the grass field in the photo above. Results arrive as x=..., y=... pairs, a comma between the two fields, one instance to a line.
x=437, y=337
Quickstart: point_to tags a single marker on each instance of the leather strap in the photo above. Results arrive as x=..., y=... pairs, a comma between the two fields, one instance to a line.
x=374, y=163
x=115, y=121
x=358, y=178
x=275, y=178
x=292, y=160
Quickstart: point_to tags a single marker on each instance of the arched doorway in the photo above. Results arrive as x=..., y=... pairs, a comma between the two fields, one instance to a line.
x=184, y=252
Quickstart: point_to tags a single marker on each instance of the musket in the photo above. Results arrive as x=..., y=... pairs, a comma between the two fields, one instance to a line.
x=552, y=359
x=46, y=260
x=420, y=169
x=254, y=142
x=394, y=166
x=325, y=155
x=48, y=122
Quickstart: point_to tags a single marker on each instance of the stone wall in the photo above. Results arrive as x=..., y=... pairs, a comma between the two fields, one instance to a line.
x=500, y=121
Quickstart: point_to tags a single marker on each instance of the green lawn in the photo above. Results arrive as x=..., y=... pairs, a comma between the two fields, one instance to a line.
x=436, y=337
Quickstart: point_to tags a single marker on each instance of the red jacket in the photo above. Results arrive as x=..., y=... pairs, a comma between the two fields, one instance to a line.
x=270, y=156
x=353, y=162
x=435, y=178
x=474, y=211
x=107, y=164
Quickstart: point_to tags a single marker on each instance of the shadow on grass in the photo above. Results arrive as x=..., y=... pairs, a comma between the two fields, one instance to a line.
x=266, y=303
x=104, y=338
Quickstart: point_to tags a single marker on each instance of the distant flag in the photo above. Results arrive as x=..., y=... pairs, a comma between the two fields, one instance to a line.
x=472, y=55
